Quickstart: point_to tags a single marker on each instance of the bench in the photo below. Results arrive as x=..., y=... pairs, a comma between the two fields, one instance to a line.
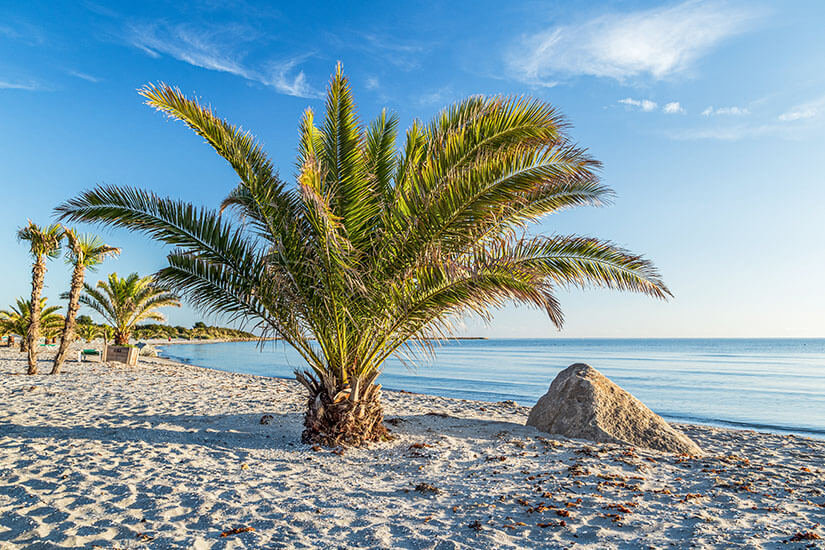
x=83, y=354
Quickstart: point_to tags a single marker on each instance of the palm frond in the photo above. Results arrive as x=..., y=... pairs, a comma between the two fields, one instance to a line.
x=43, y=241
x=374, y=246
x=124, y=302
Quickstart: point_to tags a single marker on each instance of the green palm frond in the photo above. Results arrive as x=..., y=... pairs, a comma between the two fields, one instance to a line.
x=376, y=245
x=125, y=302
x=87, y=250
x=88, y=331
x=17, y=318
x=43, y=241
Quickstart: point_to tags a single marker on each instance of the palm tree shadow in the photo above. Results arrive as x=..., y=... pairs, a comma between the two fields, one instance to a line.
x=224, y=432
x=251, y=431
x=458, y=426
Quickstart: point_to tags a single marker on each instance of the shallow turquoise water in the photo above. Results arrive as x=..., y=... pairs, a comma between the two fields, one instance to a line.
x=766, y=384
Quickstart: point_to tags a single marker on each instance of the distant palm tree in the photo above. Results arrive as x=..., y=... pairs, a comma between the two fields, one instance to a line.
x=16, y=320
x=85, y=252
x=376, y=247
x=88, y=331
x=126, y=302
x=43, y=243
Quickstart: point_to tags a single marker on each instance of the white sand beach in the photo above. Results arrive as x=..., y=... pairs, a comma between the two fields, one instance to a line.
x=165, y=455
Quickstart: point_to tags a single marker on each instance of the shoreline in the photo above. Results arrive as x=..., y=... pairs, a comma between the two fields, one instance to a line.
x=801, y=431
x=170, y=455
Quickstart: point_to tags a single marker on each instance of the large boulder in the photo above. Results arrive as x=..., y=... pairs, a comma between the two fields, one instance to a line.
x=582, y=403
x=147, y=350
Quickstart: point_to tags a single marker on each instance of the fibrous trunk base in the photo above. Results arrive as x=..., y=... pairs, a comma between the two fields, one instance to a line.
x=343, y=414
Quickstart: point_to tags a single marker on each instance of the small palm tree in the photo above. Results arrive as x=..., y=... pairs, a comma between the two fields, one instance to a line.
x=376, y=247
x=17, y=319
x=85, y=252
x=43, y=243
x=88, y=331
x=126, y=302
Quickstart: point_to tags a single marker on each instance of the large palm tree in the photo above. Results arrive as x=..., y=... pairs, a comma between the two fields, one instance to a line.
x=44, y=243
x=376, y=247
x=125, y=302
x=17, y=319
x=85, y=252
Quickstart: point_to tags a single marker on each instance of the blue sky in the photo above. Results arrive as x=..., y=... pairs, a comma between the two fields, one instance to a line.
x=709, y=118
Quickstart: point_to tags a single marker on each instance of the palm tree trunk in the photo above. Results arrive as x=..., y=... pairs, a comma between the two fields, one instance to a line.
x=343, y=414
x=121, y=339
x=71, y=317
x=33, y=334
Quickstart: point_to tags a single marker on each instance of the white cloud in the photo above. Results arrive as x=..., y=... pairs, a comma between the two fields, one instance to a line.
x=279, y=78
x=28, y=86
x=811, y=109
x=659, y=42
x=644, y=104
x=84, y=76
x=207, y=48
x=673, y=108
x=372, y=83
x=726, y=111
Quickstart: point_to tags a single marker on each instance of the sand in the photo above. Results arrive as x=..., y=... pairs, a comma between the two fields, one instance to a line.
x=173, y=456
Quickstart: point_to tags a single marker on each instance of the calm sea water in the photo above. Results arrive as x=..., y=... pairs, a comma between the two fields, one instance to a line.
x=773, y=385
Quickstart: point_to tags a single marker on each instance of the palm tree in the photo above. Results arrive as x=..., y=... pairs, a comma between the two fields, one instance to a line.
x=375, y=247
x=16, y=320
x=43, y=243
x=85, y=252
x=126, y=302
x=88, y=331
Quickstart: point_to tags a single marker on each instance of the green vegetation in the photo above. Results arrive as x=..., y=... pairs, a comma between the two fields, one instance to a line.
x=88, y=330
x=125, y=302
x=17, y=319
x=200, y=331
x=44, y=243
x=376, y=247
x=85, y=252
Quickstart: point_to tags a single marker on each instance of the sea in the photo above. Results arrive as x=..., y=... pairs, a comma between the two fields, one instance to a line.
x=773, y=385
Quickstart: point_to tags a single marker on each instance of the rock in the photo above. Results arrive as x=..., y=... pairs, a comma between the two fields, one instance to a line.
x=147, y=351
x=582, y=403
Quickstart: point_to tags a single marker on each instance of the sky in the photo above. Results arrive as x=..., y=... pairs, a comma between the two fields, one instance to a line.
x=709, y=118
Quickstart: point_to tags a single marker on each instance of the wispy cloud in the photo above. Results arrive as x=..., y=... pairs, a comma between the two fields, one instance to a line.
x=794, y=124
x=673, y=108
x=437, y=97
x=811, y=109
x=22, y=31
x=648, y=106
x=84, y=76
x=388, y=49
x=657, y=42
x=372, y=83
x=28, y=86
x=207, y=48
x=405, y=55
x=283, y=78
x=644, y=104
x=725, y=111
